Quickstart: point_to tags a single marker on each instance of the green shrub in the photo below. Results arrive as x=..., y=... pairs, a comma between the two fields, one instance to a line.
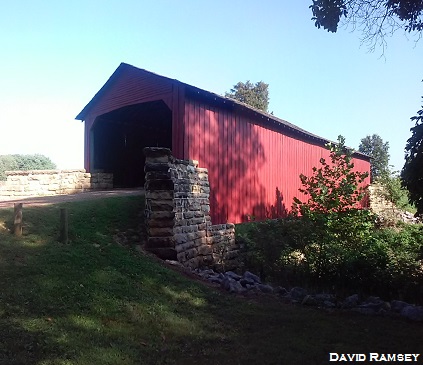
x=387, y=262
x=402, y=269
x=265, y=242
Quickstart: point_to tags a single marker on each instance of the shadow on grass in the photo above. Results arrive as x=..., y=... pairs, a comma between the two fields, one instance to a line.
x=95, y=302
x=91, y=301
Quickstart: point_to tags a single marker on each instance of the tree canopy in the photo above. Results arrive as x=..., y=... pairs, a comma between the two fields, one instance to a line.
x=378, y=151
x=412, y=172
x=255, y=95
x=375, y=18
x=24, y=162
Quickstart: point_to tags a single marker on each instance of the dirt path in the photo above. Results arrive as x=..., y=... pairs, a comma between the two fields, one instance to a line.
x=48, y=200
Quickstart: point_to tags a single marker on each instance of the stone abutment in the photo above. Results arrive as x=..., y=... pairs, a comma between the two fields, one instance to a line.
x=178, y=214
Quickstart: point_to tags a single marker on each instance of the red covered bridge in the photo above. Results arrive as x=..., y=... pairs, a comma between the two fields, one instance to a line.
x=254, y=159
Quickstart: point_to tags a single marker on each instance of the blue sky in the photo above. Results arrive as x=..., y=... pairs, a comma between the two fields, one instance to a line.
x=56, y=55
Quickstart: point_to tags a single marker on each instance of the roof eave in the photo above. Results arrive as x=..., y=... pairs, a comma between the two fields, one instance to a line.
x=279, y=122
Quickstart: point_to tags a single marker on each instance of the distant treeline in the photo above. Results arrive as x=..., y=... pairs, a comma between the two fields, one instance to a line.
x=24, y=162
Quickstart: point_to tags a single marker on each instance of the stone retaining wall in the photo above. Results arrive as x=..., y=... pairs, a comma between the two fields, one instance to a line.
x=53, y=182
x=378, y=204
x=178, y=214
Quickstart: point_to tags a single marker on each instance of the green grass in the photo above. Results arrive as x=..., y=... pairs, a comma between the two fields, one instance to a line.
x=95, y=302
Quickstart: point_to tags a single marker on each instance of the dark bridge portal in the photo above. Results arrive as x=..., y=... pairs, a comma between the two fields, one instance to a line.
x=118, y=138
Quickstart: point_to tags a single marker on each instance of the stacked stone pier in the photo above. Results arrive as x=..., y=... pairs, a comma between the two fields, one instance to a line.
x=178, y=213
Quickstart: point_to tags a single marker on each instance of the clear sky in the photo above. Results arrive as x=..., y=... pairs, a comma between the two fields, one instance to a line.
x=55, y=55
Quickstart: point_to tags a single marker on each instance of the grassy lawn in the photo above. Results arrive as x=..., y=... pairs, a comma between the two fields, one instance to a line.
x=94, y=302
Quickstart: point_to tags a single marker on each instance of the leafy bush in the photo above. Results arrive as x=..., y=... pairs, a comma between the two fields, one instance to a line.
x=24, y=162
x=386, y=262
x=402, y=267
x=269, y=245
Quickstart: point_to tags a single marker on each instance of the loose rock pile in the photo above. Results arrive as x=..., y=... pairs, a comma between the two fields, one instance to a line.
x=251, y=284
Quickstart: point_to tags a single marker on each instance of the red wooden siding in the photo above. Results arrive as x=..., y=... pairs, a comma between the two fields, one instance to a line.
x=131, y=86
x=252, y=169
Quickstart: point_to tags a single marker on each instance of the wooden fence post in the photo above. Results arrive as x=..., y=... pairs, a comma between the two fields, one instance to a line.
x=64, y=238
x=18, y=219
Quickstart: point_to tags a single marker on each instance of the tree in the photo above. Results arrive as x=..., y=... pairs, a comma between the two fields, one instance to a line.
x=375, y=18
x=334, y=227
x=255, y=95
x=374, y=147
x=334, y=187
x=412, y=172
x=393, y=192
x=24, y=162
x=7, y=163
x=34, y=162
